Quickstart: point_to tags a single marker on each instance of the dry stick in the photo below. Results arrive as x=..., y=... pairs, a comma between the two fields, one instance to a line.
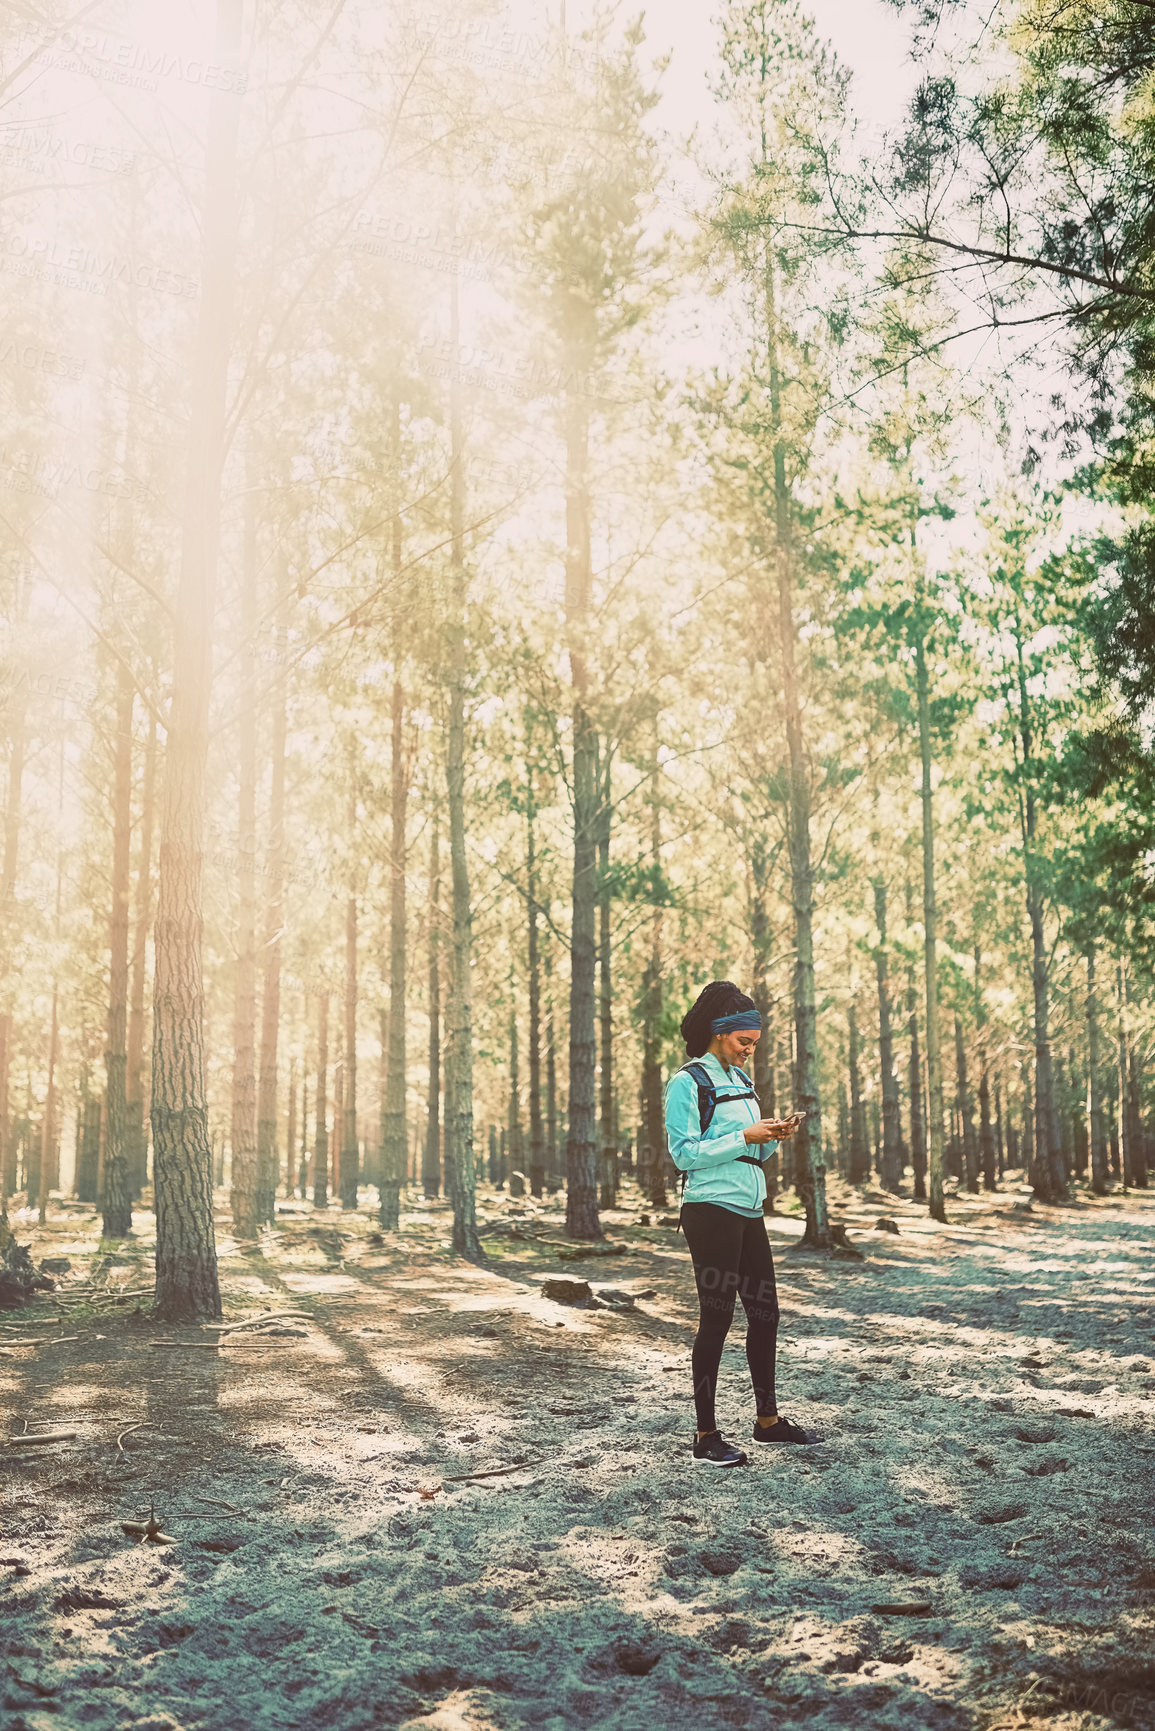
x=52, y=1340
x=46, y=1436
x=494, y=1472
x=217, y=1502
x=120, y=1439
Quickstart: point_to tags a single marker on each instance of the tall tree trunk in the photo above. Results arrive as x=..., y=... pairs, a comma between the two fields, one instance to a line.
x=320, y=1109
x=917, y=1131
x=859, y=1168
x=350, y=1151
x=12, y=805
x=761, y=941
x=536, y=1127
x=267, y=1161
x=460, y=1173
x=116, y=1198
x=291, y=1132
x=244, y=1200
x=1130, y=1154
x=552, y=1179
x=1099, y=1178
x=937, y=1208
x=134, y=1081
x=970, y=1152
x=986, y=1133
x=48, y=1128
x=1048, y=1177
x=513, y=1144
x=431, y=1165
x=608, y=1197
x=652, y=1103
x=7, y=1174
x=396, y=1140
x=187, y=1285
x=810, y=1164
x=891, y=1172
x=582, y=1148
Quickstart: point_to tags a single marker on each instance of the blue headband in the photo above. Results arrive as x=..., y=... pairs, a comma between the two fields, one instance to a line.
x=740, y=1019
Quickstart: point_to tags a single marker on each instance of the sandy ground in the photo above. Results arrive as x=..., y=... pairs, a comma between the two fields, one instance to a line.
x=985, y=1389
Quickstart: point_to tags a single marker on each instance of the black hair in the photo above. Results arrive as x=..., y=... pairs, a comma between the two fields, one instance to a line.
x=719, y=998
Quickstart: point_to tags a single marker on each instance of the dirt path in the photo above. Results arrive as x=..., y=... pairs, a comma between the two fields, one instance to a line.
x=986, y=1391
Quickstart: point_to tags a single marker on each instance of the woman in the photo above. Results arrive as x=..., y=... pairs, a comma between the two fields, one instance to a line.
x=714, y=1132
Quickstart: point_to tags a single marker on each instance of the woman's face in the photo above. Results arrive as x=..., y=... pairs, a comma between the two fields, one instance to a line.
x=737, y=1047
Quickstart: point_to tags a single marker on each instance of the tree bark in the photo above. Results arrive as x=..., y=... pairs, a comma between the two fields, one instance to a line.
x=537, y=1149
x=1048, y=1177
x=859, y=1167
x=431, y=1165
x=350, y=1151
x=608, y=1197
x=891, y=1173
x=244, y=1199
x=320, y=1109
x=513, y=1144
x=810, y=1165
x=552, y=1179
x=937, y=1206
x=291, y=1133
x=460, y=1171
x=116, y=1197
x=48, y=1172
x=1099, y=1177
x=267, y=1160
x=970, y=1151
x=582, y=1148
x=134, y=1081
x=187, y=1285
x=654, y=1174
x=761, y=940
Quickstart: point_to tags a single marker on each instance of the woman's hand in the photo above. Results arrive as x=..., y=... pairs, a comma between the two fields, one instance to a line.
x=766, y=1130
x=773, y=1129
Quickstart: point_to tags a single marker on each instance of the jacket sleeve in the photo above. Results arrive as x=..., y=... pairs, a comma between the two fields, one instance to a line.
x=689, y=1149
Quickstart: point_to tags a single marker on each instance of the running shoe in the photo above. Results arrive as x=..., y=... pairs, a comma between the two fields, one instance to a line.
x=715, y=1451
x=784, y=1432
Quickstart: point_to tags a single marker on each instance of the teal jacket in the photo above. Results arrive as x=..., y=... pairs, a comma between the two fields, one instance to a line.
x=713, y=1164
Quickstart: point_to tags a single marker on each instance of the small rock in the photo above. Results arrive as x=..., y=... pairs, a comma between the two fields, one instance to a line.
x=885, y=1224
x=1000, y=1513
x=720, y=1562
x=568, y=1291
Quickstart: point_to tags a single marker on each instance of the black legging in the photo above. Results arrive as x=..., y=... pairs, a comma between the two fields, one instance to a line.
x=731, y=1259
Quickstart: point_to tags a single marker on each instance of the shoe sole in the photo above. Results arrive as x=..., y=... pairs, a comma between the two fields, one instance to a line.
x=704, y=1461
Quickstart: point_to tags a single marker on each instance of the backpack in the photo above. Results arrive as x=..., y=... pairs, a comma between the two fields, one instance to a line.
x=708, y=1098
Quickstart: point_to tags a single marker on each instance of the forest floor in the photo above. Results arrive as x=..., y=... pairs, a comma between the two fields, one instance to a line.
x=986, y=1391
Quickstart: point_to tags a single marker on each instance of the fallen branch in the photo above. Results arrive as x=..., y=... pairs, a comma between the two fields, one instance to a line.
x=217, y=1503
x=46, y=1436
x=50, y=1340
x=903, y=1608
x=149, y=1530
x=492, y=1472
x=120, y=1439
